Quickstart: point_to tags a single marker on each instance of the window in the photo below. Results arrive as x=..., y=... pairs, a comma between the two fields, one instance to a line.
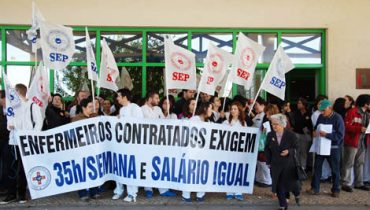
x=303, y=48
x=267, y=40
x=200, y=42
x=155, y=45
x=19, y=48
x=126, y=46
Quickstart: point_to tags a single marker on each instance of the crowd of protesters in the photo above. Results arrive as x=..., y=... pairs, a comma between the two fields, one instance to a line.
x=287, y=133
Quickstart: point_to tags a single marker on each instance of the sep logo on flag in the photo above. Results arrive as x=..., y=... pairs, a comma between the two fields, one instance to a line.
x=39, y=178
x=248, y=56
x=180, y=61
x=215, y=64
x=58, y=40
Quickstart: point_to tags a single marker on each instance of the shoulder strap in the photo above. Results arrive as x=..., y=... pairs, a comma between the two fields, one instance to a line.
x=33, y=122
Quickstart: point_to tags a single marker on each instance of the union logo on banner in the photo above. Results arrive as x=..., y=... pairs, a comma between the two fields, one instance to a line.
x=215, y=64
x=180, y=61
x=248, y=57
x=58, y=40
x=39, y=178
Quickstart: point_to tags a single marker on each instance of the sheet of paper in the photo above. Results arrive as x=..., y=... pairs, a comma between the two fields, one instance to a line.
x=368, y=129
x=267, y=126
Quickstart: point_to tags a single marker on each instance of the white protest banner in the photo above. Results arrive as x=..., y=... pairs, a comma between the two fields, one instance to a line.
x=92, y=68
x=39, y=91
x=180, y=67
x=58, y=45
x=108, y=68
x=274, y=81
x=37, y=17
x=216, y=64
x=246, y=58
x=180, y=155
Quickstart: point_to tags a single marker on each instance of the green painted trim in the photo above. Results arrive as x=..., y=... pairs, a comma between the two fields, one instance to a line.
x=322, y=73
x=279, y=38
x=235, y=87
x=97, y=56
x=51, y=79
x=133, y=64
x=3, y=55
x=143, y=70
x=151, y=65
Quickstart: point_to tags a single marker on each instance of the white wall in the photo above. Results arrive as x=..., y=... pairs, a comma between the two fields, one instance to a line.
x=347, y=23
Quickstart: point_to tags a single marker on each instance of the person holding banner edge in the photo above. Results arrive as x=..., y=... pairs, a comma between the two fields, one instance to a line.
x=202, y=114
x=128, y=109
x=151, y=110
x=87, y=112
x=236, y=118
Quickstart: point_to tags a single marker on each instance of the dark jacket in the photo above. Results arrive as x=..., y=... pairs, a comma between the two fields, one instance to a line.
x=337, y=135
x=283, y=169
x=4, y=132
x=55, y=117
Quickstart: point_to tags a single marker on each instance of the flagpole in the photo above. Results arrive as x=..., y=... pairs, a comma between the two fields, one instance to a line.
x=254, y=101
x=168, y=103
x=223, y=106
x=93, y=93
x=196, y=102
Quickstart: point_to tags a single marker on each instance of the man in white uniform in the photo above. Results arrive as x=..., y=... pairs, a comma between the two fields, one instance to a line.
x=128, y=109
x=151, y=110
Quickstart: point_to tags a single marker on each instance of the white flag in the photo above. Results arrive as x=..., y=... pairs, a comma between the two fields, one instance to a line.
x=58, y=45
x=92, y=69
x=37, y=17
x=180, y=67
x=39, y=91
x=216, y=64
x=126, y=81
x=225, y=87
x=108, y=68
x=12, y=100
x=274, y=81
x=246, y=58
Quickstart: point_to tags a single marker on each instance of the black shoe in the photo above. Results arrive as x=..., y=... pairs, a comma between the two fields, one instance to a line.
x=297, y=201
x=9, y=199
x=335, y=194
x=347, y=188
x=363, y=187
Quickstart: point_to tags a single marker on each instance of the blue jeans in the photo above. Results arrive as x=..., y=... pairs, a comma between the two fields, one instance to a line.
x=334, y=161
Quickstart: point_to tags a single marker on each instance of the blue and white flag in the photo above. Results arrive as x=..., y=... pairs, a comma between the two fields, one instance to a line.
x=92, y=69
x=57, y=45
x=274, y=81
x=12, y=100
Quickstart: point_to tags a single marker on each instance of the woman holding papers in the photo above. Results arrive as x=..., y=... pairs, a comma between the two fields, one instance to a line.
x=202, y=114
x=236, y=118
x=281, y=145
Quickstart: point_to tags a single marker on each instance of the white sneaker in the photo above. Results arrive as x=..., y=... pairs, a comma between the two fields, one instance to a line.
x=130, y=199
x=116, y=197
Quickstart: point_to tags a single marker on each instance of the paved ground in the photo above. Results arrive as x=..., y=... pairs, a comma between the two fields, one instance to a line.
x=261, y=199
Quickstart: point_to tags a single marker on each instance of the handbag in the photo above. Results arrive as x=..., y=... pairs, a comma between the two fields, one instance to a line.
x=301, y=173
